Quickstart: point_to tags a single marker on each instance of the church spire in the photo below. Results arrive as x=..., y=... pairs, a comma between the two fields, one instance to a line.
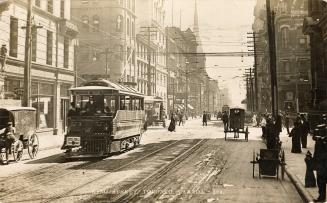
x=196, y=21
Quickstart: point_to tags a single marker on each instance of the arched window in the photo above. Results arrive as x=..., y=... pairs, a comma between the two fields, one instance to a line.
x=96, y=23
x=119, y=23
x=284, y=37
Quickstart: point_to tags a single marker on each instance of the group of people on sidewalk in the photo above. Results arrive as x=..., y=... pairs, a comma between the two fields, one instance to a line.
x=299, y=133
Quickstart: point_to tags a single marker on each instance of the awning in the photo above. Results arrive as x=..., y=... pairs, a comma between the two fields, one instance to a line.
x=190, y=107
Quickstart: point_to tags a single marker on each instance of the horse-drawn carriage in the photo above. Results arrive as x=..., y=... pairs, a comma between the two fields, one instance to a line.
x=236, y=123
x=269, y=161
x=22, y=120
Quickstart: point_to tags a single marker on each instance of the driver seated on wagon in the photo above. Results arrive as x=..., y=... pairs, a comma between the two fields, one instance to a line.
x=9, y=136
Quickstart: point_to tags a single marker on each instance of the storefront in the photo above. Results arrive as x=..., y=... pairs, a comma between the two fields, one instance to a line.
x=43, y=98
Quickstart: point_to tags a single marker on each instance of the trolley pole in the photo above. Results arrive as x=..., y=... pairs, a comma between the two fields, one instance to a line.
x=27, y=70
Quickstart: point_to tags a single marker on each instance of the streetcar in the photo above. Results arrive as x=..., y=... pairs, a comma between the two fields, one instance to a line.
x=155, y=111
x=105, y=117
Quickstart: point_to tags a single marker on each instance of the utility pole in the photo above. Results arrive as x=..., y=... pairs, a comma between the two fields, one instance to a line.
x=27, y=61
x=186, y=99
x=272, y=56
x=254, y=46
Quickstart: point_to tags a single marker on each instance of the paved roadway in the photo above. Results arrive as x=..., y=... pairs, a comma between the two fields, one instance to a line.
x=219, y=171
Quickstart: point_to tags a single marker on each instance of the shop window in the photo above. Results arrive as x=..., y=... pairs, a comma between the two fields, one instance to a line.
x=34, y=43
x=66, y=52
x=13, y=42
x=49, y=47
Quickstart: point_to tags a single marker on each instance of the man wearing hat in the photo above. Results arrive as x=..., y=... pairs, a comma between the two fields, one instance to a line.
x=9, y=139
x=320, y=158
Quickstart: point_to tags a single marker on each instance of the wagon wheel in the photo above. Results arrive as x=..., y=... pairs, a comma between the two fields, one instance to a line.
x=17, y=150
x=247, y=134
x=283, y=164
x=253, y=162
x=33, y=145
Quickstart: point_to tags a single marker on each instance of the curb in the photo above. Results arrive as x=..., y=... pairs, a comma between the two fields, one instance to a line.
x=305, y=195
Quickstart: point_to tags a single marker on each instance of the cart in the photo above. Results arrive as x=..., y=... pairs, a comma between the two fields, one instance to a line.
x=269, y=161
x=155, y=111
x=23, y=120
x=236, y=123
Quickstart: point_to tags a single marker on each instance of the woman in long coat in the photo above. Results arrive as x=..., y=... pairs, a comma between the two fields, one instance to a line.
x=296, y=138
x=172, y=125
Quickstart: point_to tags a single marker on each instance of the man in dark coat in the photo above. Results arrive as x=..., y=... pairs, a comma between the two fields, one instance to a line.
x=320, y=158
x=296, y=138
x=225, y=120
x=204, y=119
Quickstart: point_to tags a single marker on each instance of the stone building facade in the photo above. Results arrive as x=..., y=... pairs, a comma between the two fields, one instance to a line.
x=52, y=58
x=107, y=41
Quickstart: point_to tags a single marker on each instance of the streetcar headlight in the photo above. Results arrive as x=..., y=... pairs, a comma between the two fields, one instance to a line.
x=73, y=141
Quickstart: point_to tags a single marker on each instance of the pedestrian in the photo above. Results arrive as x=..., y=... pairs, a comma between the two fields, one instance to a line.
x=225, y=120
x=254, y=120
x=271, y=134
x=305, y=130
x=204, y=119
x=310, y=179
x=287, y=123
x=180, y=118
x=278, y=123
x=263, y=124
x=172, y=125
x=296, y=138
x=320, y=158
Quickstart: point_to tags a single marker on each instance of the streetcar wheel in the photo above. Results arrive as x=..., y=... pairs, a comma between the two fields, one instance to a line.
x=33, y=145
x=17, y=150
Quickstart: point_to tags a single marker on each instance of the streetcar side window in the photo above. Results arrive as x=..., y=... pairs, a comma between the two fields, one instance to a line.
x=127, y=103
x=110, y=105
x=122, y=102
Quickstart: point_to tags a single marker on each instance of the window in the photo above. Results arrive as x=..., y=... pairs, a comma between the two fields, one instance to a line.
x=13, y=43
x=303, y=42
x=66, y=52
x=133, y=29
x=50, y=6
x=284, y=37
x=119, y=23
x=49, y=47
x=85, y=2
x=37, y=3
x=85, y=20
x=96, y=23
x=62, y=8
x=34, y=43
x=128, y=27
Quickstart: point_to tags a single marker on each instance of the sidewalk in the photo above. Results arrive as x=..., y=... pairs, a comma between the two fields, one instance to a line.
x=295, y=166
x=49, y=141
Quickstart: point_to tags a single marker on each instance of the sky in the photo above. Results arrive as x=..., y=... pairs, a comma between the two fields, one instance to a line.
x=223, y=25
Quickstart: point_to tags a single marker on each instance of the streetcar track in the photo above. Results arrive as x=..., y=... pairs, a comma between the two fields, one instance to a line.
x=83, y=166
x=130, y=194
x=109, y=173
